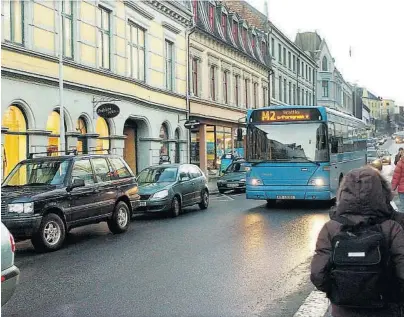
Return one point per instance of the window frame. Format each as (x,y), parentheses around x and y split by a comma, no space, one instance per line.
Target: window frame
(169,64)
(280,88)
(70,18)
(195,90)
(11,23)
(224,24)
(246,92)
(110,174)
(325,88)
(212,85)
(102,32)
(92,171)
(225,87)
(137,47)
(279,53)
(211,15)
(236,90)
(255,95)
(115,175)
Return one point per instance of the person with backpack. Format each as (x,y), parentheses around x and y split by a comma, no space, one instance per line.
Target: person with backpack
(398,155)
(359,256)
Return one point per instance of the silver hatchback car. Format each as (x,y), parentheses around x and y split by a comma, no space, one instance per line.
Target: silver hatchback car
(9,272)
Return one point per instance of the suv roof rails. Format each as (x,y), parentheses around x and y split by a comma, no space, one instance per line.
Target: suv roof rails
(70,152)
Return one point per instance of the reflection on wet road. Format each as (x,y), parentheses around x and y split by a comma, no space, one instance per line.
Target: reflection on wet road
(239,258)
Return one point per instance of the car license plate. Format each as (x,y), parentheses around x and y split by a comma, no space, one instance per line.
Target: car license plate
(285,197)
(232,185)
(142,203)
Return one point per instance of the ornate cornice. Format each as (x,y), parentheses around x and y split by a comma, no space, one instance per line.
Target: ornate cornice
(175,11)
(139,9)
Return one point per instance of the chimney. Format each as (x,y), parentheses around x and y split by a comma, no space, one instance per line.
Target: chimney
(266,8)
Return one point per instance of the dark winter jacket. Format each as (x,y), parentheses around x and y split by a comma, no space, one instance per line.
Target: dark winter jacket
(363,195)
(397,158)
(398,177)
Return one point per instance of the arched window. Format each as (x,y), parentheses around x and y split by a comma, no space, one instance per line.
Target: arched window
(164,143)
(15,140)
(177,145)
(324,65)
(102,129)
(53,125)
(82,140)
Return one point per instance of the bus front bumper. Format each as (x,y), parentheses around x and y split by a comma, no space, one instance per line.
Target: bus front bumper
(288,192)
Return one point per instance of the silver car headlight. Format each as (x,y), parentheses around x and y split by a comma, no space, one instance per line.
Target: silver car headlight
(21,208)
(161,194)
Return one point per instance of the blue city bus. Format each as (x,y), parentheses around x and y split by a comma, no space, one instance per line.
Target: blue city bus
(301,152)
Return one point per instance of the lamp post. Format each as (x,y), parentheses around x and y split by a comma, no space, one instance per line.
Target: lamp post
(61,107)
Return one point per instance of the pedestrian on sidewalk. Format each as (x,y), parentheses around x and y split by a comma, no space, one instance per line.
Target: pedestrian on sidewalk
(397,182)
(359,256)
(398,155)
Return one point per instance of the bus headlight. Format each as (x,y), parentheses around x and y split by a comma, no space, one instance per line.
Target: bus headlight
(317,182)
(256,182)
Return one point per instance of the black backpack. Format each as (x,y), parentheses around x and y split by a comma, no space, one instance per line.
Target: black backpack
(360,266)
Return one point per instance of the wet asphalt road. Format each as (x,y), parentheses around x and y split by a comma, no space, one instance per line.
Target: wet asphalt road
(238,258)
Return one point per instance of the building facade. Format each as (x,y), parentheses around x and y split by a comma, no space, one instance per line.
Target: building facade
(229,69)
(332,90)
(373,103)
(130,53)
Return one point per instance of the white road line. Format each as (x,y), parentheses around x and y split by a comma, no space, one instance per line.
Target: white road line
(315,305)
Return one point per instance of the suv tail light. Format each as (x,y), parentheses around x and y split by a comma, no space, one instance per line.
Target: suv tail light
(12,243)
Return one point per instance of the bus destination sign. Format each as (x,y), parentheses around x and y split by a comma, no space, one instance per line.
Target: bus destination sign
(286,115)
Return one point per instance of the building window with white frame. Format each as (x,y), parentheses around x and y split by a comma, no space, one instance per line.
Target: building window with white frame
(195,90)
(294,94)
(290,92)
(273,47)
(247,92)
(14,21)
(212,82)
(302,101)
(325,88)
(284,56)
(236,90)
(289,60)
(284,91)
(255,96)
(279,54)
(280,88)
(225,87)
(294,64)
(310,100)
(104,39)
(67,28)
(273,85)
(136,51)
(169,56)
(265,96)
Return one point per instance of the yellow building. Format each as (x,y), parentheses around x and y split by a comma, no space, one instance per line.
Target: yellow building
(130,53)
(373,103)
(229,68)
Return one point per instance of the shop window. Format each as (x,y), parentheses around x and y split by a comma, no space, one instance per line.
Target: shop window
(164,150)
(15,141)
(53,125)
(82,140)
(102,129)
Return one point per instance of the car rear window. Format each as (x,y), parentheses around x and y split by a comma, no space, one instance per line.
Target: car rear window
(120,170)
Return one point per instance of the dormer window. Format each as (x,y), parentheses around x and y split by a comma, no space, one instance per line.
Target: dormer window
(211,11)
(224,23)
(235,30)
(254,37)
(263,48)
(244,36)
(195,9)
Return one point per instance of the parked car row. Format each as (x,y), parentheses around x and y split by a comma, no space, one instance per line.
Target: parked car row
(383,156)
(44,198)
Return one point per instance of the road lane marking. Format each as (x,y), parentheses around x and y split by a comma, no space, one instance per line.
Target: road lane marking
(315,305)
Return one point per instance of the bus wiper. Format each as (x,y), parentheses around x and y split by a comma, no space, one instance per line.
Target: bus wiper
(306,159)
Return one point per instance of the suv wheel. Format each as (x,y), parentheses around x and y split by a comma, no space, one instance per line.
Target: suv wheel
(175,207)
(204,204)
(51,234)
(120,219)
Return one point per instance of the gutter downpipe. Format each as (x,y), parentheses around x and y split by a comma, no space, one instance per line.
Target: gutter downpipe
(188,102)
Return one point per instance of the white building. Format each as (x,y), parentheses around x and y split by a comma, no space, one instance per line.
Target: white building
(332,90)
(295,71)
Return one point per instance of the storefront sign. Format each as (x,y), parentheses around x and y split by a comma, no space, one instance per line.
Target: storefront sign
(286,115)
(108,110)
(190,124)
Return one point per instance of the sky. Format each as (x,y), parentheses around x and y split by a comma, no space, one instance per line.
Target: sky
(373,29)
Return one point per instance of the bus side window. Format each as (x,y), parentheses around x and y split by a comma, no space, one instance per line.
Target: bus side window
(334,144)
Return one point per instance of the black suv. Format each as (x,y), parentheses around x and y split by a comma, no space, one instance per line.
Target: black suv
(43,198)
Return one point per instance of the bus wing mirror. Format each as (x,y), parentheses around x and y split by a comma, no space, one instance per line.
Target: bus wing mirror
(239,134)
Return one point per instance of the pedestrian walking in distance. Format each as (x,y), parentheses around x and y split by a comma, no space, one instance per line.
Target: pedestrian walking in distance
(398,155)
(359,256)
(397,182)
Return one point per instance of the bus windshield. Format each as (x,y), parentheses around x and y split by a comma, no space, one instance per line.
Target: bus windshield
(292,142)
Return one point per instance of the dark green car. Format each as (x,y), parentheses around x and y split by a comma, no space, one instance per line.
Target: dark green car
(234,177)
(170,187)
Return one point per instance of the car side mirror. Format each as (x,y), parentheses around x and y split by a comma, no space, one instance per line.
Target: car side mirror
(78,182)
